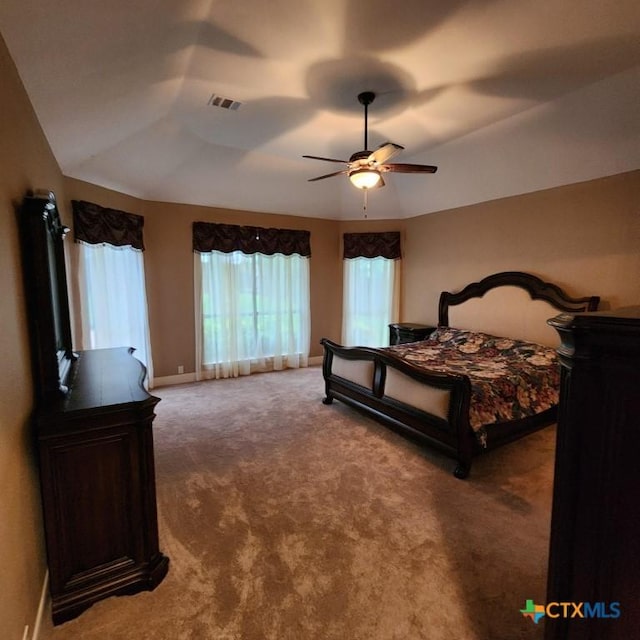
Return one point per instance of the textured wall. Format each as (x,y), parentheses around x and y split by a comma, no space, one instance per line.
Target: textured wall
(169,269)
(26,162)
(584,237)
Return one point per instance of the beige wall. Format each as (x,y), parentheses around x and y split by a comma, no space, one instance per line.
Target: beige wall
(26,162)
(584,237)
(169,261)
(169,269)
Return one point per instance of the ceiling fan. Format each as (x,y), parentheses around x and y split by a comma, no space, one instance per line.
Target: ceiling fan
(365,168)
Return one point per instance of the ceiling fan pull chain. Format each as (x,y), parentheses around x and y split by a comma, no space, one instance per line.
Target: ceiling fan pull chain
(364,206)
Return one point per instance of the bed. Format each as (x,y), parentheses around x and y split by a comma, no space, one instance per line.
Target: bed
(444,402)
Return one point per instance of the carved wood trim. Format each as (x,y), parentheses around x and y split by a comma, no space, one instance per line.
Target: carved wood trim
(537,288)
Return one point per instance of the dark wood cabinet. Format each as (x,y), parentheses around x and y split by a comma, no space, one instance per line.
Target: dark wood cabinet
(98,488)
(595,529)
(92,422)
(402,332)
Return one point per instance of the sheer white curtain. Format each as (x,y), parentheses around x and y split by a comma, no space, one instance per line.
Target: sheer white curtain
(252,313)
(370,301)
(113,300)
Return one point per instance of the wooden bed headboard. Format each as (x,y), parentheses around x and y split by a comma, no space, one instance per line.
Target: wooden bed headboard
(511,304)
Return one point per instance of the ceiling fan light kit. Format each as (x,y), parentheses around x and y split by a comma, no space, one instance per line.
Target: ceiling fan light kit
(364,178)
(365,168)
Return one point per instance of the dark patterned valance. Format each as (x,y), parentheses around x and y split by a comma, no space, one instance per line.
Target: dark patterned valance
(98,225)
(372,245)
(209,236)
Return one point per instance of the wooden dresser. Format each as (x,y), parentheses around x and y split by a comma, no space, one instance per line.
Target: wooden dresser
(95,448)
(595,530)
(92,431)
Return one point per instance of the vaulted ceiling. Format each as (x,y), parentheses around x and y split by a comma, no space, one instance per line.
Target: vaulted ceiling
(504,96)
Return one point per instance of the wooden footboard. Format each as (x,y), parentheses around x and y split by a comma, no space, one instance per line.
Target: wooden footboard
(429,404)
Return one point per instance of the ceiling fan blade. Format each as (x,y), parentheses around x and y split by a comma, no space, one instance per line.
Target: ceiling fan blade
(408,168)
(385,152)
(375,162)
(327,159)
(328,175)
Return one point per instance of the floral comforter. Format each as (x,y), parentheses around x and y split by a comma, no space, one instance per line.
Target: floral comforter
(510,379)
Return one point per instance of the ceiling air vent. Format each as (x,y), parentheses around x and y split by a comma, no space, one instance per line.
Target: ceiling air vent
(224,103)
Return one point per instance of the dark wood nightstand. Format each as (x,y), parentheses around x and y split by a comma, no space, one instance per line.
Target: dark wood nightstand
(402,332)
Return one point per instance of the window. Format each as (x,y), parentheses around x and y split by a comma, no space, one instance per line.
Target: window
(113,300)
(252,312)
(370,299)
(369,302)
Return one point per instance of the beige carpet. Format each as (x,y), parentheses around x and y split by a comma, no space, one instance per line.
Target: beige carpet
(285,519)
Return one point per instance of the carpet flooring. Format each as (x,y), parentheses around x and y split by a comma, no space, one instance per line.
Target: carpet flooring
(285,519)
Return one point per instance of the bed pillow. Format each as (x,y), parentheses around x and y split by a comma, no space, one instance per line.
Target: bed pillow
(487,346)
(473,341)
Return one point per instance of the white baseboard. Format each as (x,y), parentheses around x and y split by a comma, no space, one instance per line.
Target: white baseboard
(180,378)
(42,607)
(183,378)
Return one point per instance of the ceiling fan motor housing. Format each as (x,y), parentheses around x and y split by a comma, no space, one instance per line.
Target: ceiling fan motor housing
(366,98)
(360,155)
